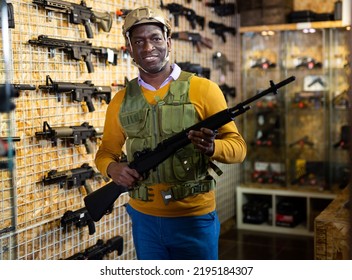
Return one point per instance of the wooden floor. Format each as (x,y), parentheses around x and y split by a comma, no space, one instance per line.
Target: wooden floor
(252,245)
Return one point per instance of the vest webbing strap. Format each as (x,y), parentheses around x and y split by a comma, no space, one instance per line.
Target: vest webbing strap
(141,193)
(176,192)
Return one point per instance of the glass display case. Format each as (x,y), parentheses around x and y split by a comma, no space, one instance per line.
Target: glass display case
(307,116)
(298,139)
(264,123)
(339,107)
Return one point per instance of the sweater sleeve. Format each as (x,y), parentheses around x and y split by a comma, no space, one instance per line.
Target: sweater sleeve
(113,136)
(208,99)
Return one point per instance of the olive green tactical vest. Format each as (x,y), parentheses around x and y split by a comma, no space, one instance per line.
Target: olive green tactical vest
(146,125)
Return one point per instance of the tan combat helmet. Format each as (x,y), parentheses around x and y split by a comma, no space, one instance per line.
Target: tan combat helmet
(145,15)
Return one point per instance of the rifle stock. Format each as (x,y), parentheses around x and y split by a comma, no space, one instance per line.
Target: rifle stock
(103,19)
(99,202)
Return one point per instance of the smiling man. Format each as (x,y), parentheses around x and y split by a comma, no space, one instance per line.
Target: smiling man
(173,210)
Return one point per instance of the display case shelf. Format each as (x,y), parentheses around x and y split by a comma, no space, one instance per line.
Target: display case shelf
(293,26)
(313,203)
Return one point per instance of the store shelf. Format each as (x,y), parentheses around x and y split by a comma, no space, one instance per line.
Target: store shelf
(313,202)
(293,26)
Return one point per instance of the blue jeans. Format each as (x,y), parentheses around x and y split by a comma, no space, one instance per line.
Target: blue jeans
(179,238)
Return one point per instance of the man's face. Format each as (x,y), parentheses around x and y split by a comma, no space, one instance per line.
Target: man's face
(149,47)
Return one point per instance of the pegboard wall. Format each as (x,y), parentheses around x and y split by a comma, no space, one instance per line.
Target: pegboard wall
(30,210)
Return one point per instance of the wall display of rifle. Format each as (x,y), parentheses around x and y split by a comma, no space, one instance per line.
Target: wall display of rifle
(77,50)
(80,92)
(195,68)
(79,14)
(76,177)
(68,59)
(79,218)
(220,29)
(100,249)
(190,15)
(197,39)
(220,61)
(222,9)
(76,134)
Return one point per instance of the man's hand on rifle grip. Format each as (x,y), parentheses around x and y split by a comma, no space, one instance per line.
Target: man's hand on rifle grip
(123,175)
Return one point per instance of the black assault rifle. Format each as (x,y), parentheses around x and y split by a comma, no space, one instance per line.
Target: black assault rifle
(79,91)
(99,202)
(220,29)
(80,218)
(222,9)
(221,62)
(78,50)
(100,249)
(80,134)
(178,10)
(195,68)
(75,177)
(78,14)
(195,38)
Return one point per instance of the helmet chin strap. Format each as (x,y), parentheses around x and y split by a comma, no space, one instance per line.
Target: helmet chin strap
(166,58)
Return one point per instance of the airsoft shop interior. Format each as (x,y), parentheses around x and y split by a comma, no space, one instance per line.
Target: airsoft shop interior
(63,61)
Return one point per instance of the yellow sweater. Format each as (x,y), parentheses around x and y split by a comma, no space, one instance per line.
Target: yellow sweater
(230,147)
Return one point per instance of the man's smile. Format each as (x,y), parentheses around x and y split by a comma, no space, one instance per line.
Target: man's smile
(150,58)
